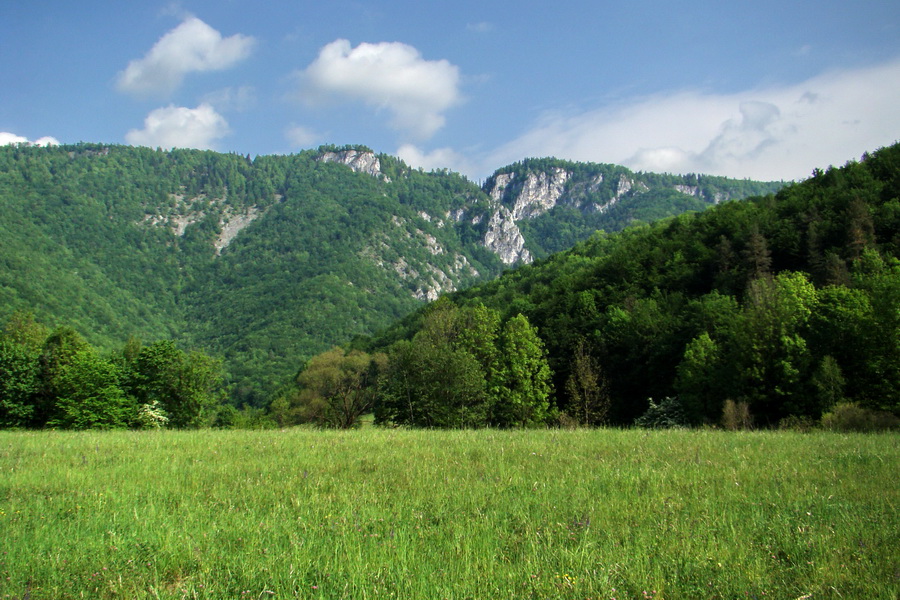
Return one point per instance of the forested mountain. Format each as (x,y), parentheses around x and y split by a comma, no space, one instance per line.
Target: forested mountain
(780,307)
(268,261)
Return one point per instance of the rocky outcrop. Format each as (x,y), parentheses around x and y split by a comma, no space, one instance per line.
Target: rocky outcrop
(504,238)
(501,181)
(540,193)
(359,161)
(184,212)
(231,225)
(440,281)
(624,186)
(426,279)
(188,211)
(696,192)
(689,190)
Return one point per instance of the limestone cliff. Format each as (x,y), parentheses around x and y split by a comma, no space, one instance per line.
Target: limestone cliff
(360,161)
(538,193)
(504,238)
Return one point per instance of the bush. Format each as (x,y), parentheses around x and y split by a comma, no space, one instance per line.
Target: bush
(669,413)
(565,421)
(799,423)
(736,415)
(850,416)
(151,416)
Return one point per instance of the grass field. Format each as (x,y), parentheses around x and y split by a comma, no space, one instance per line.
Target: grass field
(467,514)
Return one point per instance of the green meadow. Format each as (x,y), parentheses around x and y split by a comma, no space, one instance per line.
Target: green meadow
(380,513)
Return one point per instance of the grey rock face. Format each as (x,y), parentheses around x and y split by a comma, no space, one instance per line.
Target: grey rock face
(505,240)
(540,193)
(360,162)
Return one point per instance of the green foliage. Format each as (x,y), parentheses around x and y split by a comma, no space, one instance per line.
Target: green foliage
(523,391)
(337,388)
(438,379)
(588,394)
(89,396)
(57,379)
(668,414)
(188,386)
(850,416)
(18,384)
(116,239)
(787,302)
(464,369)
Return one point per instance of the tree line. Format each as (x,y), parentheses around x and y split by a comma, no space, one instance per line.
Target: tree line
(772,311)
(463,368)
(55,379)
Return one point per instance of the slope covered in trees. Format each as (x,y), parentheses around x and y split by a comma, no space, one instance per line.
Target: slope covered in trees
(268,261)
(780,307)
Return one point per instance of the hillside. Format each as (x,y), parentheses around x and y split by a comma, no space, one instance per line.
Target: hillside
(786,304)
(270,260)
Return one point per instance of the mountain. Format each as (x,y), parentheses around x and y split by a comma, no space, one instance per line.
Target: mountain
(547,205)
(785,304)
(268,261)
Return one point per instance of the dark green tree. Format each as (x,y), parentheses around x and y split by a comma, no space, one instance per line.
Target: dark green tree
(18,384)
(523,396)
(89,395)
(188,386)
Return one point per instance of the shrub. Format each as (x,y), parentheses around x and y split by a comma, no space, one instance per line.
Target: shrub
(152,416)
(565,421)
(800,423)
(850,416)
(669,413)
(736,415)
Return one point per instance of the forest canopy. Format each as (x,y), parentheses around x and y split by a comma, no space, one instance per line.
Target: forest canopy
(781,308)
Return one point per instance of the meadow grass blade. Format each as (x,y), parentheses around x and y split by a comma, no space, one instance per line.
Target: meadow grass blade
(379,513)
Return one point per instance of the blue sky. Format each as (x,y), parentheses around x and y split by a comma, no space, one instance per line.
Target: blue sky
(763,89)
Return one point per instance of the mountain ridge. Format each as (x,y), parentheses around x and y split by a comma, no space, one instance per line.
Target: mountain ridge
(270,260)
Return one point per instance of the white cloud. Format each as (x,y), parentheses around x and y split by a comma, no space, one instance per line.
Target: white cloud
(7,138)
(480,27)
(180,127)
(11,138)
(47,140)
(388,75)
(772,133)
(193,46)
(238,99)
(301,137)
(440,158)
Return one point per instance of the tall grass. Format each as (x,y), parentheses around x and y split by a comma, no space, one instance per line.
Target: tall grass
(465,514)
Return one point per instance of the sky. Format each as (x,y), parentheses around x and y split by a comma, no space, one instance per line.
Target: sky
(767,90)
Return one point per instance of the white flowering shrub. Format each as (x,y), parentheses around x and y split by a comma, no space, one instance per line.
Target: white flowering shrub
(152,416)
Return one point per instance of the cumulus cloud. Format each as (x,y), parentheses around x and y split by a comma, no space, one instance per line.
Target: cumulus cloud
(193,46)
(388,75)
(440,158)
(301,137)
(238,99)
(7,138)
(180,127)
(11,138)
(779,132)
